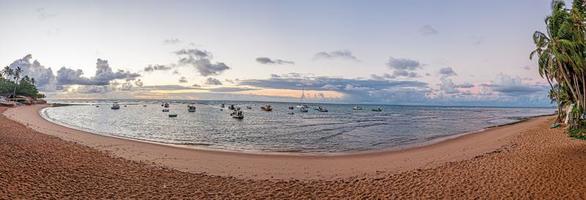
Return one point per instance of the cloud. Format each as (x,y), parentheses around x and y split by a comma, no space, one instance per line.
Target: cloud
(266,60)
(231,89)
(465,85)
(514,86)
(428,30)
(201,60)
(404,73)
(183,79)
(354,90)
(157,67)
(344,54)
(447,86)
(213,81)
(447,71)
(382,77)
(403,64)
(42,14)
(404,67)
(104,74)
(44,77)
(172,41)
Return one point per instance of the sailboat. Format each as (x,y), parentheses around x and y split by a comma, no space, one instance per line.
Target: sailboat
(302,107)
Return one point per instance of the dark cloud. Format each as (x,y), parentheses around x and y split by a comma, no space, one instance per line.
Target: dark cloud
(152,68)
(213,81)
(345,54)
(403,67)
(403,64)
(360,90)
(266,60)
(428,30)
(44,77)
(201,60)
(404,73)
(447,71)
(104,74)
(183,79)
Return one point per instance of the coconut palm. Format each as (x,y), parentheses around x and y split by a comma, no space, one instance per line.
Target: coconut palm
(561,53)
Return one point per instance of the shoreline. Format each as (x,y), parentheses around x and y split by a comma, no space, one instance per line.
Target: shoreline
(264,165)
(204,147)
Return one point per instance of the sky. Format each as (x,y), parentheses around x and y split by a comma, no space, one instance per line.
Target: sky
(415,52)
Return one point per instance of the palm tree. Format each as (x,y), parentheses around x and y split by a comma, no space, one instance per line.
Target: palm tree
(16,75)
(561,55)
(7,71)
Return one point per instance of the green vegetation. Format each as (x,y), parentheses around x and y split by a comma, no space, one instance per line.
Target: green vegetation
(12,84)
(561,55)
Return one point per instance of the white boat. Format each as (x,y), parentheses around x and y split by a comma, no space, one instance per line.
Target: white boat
(302,107)
(356,108)
(321,109)
(115,106)
(191,108)
(379,109)
(166,105)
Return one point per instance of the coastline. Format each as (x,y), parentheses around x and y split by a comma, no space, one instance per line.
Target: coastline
(283,166)
(286,153)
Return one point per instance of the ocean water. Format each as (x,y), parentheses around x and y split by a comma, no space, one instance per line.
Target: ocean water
(339,130)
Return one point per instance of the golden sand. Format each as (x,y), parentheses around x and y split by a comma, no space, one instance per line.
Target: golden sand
(530,161)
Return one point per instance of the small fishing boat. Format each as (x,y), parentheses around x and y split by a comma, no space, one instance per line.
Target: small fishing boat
(232,107)
(356,108)
(143,105)
(303,109)
(321,109)
(173,115)
(248,107)
(267,108)
(115,106)
(379,109)
(166,105)
(97,106)
(222,106)
(291,113)
(191,108)
(237,114)
(291,107)
(165,110)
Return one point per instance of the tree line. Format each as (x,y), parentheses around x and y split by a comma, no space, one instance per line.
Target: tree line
(561,55)
(12,84)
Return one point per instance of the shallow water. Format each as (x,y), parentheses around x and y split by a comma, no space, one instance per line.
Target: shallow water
(339,130)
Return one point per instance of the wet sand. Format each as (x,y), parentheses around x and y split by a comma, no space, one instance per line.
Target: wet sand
(525,160)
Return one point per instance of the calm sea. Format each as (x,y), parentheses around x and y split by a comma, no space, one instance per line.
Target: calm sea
(342,129)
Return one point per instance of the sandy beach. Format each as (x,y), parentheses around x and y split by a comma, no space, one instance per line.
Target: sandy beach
(524,160)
